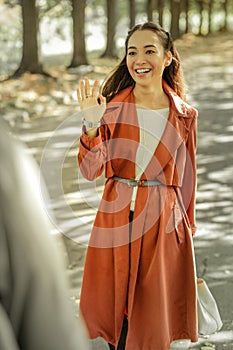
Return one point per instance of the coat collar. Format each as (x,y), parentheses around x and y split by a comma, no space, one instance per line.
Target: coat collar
(176,103)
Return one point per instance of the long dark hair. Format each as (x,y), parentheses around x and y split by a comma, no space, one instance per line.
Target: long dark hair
(120,77)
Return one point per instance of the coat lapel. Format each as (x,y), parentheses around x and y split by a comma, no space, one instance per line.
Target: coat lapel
(175,133)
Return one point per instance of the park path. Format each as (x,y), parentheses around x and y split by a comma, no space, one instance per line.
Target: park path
(53,141)
(209,72)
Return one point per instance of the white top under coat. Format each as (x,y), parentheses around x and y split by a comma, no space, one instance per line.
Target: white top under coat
(152,124)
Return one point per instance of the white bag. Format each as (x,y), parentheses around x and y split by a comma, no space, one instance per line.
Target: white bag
(209,320)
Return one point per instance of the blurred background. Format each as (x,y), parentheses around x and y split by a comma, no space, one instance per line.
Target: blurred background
(48,45)
(33,31)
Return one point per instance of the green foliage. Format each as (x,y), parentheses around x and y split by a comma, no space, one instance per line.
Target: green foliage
(96,3)
(54,8)
(12,3)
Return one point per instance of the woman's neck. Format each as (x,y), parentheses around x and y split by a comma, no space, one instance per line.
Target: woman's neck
(151,98)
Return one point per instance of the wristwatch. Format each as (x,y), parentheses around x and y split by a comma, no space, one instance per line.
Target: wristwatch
(88,124)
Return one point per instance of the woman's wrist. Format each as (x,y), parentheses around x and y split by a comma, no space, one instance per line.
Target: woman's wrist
(90,128)
(90,124)
(93,132)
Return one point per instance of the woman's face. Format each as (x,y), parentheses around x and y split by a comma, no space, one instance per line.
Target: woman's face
(146,58)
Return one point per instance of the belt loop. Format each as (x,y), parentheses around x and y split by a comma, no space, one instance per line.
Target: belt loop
(131,183)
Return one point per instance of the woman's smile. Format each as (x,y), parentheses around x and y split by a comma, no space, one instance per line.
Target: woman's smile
(142,71)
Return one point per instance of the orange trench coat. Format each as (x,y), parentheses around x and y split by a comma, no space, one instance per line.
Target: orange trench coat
(152,273)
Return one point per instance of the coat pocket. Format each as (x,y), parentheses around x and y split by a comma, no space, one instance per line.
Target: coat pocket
(178,223)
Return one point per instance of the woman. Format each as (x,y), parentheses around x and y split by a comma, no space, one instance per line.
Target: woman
(139,271)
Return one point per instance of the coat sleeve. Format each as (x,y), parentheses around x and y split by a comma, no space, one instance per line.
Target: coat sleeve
(92,154)
(188,189)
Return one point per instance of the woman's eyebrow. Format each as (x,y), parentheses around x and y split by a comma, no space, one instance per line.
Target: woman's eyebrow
(146,46)
(151,45)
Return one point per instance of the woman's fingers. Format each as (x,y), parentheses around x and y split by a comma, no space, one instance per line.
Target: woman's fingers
(95,91)
(87,87)
(84,90)
(79,95)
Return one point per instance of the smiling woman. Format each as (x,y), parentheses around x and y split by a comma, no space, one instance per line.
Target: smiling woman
(152,40)
(138,289)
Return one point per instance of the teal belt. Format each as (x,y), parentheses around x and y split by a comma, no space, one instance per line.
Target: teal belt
(138,183)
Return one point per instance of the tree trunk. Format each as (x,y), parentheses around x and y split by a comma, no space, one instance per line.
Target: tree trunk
(226,7)
(79,44)
(186,9)
(160,11)
(175,17)
(210,10)
(132,13)
(111,50)
(201,9)
(150,9)
(30,58)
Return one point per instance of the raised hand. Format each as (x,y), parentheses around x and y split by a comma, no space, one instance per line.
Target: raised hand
(92,104)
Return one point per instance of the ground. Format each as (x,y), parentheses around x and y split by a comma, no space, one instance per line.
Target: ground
(42,111)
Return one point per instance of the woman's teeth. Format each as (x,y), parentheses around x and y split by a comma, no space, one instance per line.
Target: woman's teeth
(141,71)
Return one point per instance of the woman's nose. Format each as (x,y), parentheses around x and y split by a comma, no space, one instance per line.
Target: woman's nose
(140,59)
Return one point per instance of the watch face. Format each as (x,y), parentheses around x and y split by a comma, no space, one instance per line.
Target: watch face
(90,124)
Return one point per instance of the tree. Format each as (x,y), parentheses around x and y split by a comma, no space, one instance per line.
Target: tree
(186,9)
(150,8)
(111,50)
(30,58)
(210,10)
(79,44)
(160,5)
(132,13)
(175,17)
(226,6)
(201,13)
(157,5)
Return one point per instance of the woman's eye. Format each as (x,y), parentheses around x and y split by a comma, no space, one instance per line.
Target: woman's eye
(149,52)
(131,53)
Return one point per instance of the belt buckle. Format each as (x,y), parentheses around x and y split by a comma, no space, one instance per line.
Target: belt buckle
(141,183)
(134,183)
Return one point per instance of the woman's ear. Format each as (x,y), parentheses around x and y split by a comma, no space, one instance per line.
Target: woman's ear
(168,58)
